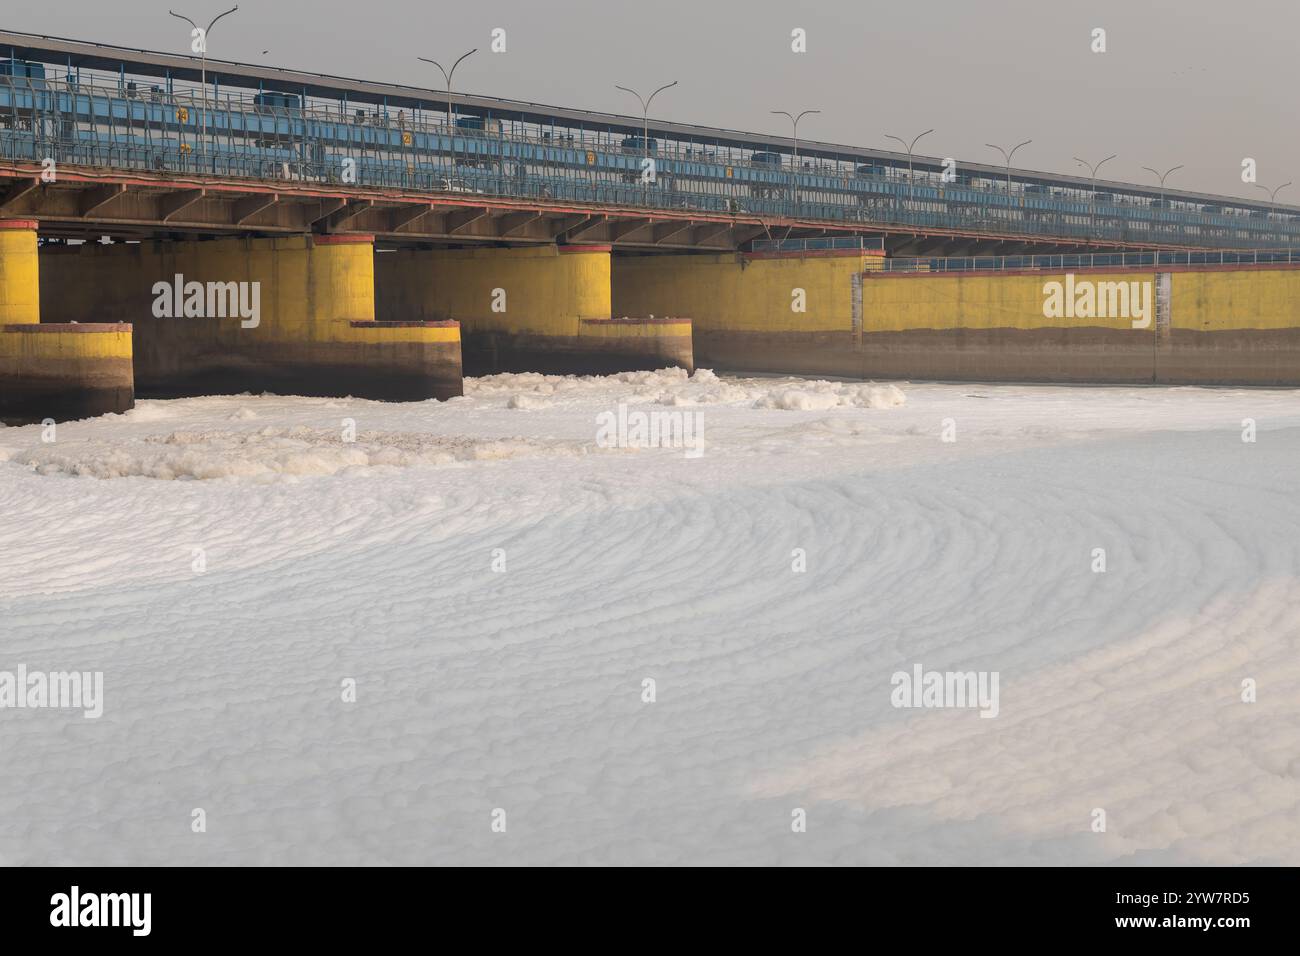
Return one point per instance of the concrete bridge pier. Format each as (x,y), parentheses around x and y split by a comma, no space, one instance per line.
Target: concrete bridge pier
(53,371)
(293,315)
(789,313)
(530,309)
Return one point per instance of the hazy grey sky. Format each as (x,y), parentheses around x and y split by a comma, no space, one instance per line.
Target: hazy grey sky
(1199,82)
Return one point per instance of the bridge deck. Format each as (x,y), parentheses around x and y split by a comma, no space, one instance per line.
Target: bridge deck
(253,123)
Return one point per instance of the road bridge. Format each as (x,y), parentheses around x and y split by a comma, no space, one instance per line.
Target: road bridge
(273,149)
(274,229)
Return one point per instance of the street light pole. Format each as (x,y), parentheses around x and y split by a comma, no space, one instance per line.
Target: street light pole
(1162,177)
(1092,191)
(794,120)
(203,72)
(447,75)
(1007,156)
(909,147)
(1272,194)
(645,117)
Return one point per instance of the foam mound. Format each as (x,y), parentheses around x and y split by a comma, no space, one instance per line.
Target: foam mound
(269,454)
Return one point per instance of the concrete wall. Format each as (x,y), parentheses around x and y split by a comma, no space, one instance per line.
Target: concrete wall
(1233,326)
(542,308)
(728,292)
(316,333)
(742,307)
(980,301)
(992,327)
(1222,326)
(547,291)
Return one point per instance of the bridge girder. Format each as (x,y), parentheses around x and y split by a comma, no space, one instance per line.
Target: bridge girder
(90,203)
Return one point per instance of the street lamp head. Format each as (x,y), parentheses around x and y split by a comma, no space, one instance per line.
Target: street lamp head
(446,73)
(1272,193)
(645,101)
(1163,176)
(1093,167)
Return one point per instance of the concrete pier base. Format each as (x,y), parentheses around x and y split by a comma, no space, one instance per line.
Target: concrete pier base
(536,309)
(48,371)
(394,362)
(64,372)
(601,347)
(315,332)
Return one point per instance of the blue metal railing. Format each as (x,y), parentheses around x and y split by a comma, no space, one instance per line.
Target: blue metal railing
(237,136)
(864,243)
(1115,260)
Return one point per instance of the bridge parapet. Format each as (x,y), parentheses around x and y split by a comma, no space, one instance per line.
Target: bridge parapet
(937,265)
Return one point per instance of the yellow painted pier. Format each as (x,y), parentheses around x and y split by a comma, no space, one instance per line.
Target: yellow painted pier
(84,328)
(315,333)
(530,309)
(53,371)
